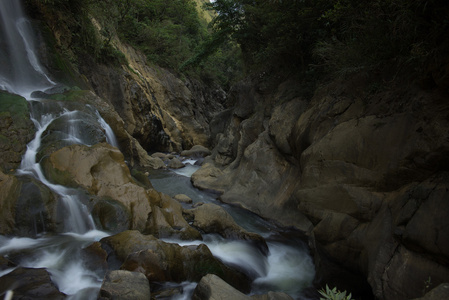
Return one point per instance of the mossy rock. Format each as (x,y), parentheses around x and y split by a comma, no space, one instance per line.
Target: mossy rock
(14,106)
(16,130)
(111,215)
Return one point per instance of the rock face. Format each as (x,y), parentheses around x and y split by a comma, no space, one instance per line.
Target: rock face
(118,202)
(356,173)
(159,110)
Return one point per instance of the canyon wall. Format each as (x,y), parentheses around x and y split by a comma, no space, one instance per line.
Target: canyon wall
(363,174)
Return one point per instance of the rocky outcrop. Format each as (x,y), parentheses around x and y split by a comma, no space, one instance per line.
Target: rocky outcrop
(161,262)
(211,218)
(357,172)
(118,201)
(159,110)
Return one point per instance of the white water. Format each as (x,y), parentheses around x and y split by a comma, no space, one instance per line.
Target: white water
(22,73)
(110,136)
(288,266)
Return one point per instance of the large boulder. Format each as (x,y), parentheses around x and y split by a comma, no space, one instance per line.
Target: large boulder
(212,218)
(30,284)
(27,207)
(120,284)
(196,151)
(212,287)
(100,170)
(118,202)
(161,262)
(439,292)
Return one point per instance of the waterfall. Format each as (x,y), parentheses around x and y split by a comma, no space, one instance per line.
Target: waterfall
(20,72)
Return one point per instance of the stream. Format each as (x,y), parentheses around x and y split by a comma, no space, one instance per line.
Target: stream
(287,267)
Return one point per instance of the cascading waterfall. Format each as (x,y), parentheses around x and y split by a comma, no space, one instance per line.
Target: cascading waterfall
(21,73)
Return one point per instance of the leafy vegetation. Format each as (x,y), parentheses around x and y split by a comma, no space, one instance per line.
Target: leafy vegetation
(333,294)
(313,38)
(334,36)
(168,32)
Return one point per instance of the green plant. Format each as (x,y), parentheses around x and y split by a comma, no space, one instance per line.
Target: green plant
(334,294)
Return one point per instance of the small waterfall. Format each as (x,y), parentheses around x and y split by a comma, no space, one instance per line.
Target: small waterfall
(20,71)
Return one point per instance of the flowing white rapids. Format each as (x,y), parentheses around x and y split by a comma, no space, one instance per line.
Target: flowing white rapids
(21,73)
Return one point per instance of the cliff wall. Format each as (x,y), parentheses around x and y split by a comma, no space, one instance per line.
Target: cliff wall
(363,174)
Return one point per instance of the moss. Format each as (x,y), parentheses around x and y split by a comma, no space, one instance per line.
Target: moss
(16,105)
(73,95)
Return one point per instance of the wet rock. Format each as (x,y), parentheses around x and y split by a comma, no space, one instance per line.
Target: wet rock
(9,191)
(30,284)
(36,209)
(111,215)
(175,163)
(121,284)
(161,261)
(16,130)
(95,258)
(211,218)
(102,171)
(183,198)
(212,287)
(438,293)
(27,207)
(167,220)
(207,177)
(272,296)
(196,151)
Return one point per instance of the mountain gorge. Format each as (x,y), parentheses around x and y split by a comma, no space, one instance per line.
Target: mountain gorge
(350,154)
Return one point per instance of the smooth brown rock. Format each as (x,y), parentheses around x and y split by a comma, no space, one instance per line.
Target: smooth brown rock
(183,198)
(30,284)
(212,287)
(160,261)
(121,284)
(211,218)
(196,151)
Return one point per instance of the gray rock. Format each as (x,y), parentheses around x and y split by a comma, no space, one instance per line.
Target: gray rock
(124,285)
(196,151)
(438,293)
(212,287)
(272,296)
(30,284)
(183,198)
(175,163)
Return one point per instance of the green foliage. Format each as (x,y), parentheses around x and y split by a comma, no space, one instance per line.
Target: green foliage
(335,36)
(334,294)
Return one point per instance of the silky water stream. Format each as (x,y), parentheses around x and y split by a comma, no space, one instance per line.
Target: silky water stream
(288,266)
